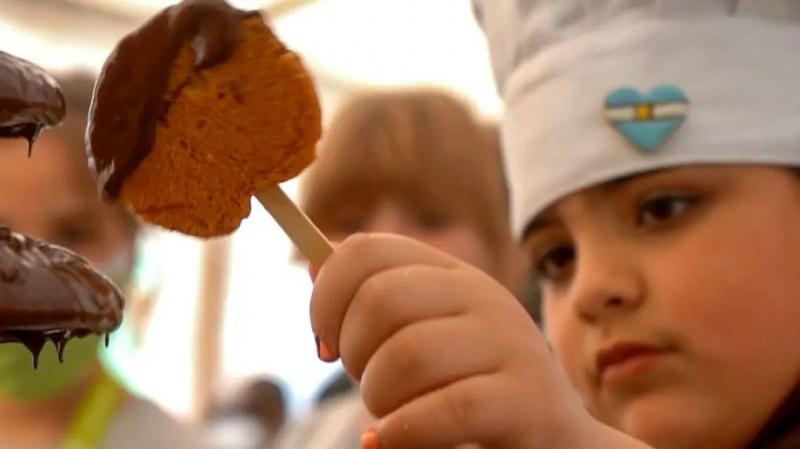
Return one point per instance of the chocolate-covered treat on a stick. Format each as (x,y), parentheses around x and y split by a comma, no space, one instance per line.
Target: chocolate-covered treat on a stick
(197,111)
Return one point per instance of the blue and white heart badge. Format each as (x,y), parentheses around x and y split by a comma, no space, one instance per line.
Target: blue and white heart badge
(647,120)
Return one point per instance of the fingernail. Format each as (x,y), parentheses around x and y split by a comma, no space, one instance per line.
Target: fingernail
(369,439)
(323,352)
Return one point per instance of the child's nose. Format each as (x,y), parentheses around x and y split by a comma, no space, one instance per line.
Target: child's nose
(391,222)
(606,283)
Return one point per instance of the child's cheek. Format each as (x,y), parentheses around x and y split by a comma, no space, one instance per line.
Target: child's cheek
(563,337)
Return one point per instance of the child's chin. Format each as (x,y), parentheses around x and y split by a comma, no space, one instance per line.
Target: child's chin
(671,421)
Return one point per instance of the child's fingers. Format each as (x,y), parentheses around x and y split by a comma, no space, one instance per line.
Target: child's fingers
(392,299)
(312,271)
(424,357)
(358,258)
(468,411)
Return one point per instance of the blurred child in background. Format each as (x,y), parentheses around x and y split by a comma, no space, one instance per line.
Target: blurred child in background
(77,404)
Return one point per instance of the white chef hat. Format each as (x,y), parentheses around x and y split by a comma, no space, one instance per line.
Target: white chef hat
(600,89)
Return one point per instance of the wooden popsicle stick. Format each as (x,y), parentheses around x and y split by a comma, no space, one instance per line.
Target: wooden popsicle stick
(300,229)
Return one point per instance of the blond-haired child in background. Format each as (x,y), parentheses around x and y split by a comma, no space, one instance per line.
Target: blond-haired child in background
(416,163)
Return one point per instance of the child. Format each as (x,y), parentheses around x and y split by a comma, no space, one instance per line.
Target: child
(663,222)
(404,162)
(416,163)
(76,404)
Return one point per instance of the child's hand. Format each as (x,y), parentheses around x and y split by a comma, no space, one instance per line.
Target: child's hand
(445,354)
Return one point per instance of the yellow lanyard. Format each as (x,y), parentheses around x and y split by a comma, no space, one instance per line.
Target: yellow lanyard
(93,415)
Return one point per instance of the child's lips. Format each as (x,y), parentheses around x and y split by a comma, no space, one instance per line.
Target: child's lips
(625,361)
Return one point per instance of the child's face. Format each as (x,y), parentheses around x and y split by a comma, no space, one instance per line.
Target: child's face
(454,237)
(673,300)
(48,197)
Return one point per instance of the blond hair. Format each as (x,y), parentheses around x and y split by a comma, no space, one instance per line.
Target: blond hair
(423,148)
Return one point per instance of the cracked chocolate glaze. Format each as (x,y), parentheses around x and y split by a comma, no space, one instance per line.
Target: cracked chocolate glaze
(30,99)
(129,96)
(50,293)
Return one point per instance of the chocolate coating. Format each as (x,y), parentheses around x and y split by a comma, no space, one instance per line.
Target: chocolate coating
(48,292)
(129,96)
(30,99)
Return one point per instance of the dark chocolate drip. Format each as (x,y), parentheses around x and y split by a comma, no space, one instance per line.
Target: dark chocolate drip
(130,94)
(30,99)
(34,341)
(50,293)
(62,345)
(59,339)
(28,131)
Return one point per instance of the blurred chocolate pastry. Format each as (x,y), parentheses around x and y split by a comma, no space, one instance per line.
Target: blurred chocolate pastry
(30,99)
(46,292)
(51,293)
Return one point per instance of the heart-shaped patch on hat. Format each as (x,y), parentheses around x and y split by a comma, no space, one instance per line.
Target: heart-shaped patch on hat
(647,120)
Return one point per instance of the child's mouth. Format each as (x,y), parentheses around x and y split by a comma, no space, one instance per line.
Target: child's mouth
(623,362)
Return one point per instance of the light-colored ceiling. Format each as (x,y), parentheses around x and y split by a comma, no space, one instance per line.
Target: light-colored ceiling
(347,44)
(144,8)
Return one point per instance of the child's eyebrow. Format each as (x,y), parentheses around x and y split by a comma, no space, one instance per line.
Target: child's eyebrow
(550,218)
(618,184)
(71,214)
(546,219)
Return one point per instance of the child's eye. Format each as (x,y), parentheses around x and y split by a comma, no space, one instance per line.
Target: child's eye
(350,225)
(431,221)
(663,208)
(556,262)
(75,236)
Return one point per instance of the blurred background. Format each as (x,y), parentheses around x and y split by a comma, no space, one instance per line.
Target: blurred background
(229,309)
